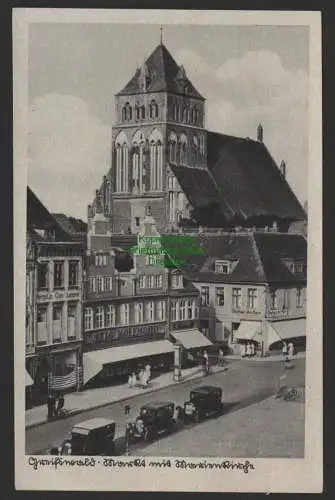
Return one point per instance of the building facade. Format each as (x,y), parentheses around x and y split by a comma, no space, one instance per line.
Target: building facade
(54,295)
(131,306)
(252,288)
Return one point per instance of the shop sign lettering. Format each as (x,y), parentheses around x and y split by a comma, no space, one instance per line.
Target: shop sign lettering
(113,334)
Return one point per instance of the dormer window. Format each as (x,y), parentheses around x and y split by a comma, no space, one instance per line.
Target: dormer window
(222,266)
(298,267)
(177,280)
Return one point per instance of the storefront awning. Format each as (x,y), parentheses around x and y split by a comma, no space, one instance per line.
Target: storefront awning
(29,380)
(289,329)
(191,338)
(248,330)
(93,361)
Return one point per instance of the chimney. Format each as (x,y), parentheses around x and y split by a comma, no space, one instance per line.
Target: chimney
(260,133)
(283,169)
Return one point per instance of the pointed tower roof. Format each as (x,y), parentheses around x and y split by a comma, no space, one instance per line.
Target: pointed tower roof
(164,75)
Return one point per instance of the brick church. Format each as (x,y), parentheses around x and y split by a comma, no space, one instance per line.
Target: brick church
(163,157)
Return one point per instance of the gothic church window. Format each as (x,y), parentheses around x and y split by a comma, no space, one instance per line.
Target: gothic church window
(153,109)
(156,160)
(121,144)
(137,162)
(173,148)
(127,112)
(183,150)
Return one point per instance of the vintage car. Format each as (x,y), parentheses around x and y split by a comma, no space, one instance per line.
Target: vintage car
(91,437)
(204,401)
(153,419)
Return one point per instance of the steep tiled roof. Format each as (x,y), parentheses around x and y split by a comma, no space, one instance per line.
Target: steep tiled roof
(163,71)
(249,180)
(256,257)
(38,217)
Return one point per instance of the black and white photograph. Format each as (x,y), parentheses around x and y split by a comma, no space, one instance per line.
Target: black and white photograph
(168,260)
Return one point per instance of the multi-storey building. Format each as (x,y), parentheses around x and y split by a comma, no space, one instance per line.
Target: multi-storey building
(162,155)
(54,273)
(131,307)
(252,288)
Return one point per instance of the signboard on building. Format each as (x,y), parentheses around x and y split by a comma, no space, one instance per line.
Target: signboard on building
(59,295)
(124,333)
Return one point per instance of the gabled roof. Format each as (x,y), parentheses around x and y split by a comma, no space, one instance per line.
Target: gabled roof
(38,217)
(257,257)
(249,180)
(164,72)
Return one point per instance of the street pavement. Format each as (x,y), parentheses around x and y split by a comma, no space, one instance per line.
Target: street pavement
(272,428)
(243,384)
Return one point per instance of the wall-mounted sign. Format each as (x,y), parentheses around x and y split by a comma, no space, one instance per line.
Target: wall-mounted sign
(59,295)
(110,335)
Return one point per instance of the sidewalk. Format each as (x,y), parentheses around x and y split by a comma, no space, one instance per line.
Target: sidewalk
(78,402)
(265,359)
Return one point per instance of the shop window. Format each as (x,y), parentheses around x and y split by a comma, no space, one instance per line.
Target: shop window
(88,318)
(252,298)
(58,274)
(73,273)
(299,297)
(42,276)
(204,295)
(220,297)
(237,298)
(71,321)
(99,317)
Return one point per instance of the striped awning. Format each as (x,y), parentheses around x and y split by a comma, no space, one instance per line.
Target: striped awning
(61,382)
(191,338)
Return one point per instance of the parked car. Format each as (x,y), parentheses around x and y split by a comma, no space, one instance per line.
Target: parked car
(91,437)
(204,401)
(153,419)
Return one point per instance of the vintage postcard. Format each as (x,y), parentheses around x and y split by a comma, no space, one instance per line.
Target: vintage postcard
(168,260)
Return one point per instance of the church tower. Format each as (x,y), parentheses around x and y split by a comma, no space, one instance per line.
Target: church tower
(159,124)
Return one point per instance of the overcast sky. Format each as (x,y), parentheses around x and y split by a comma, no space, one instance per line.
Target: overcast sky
(248,74)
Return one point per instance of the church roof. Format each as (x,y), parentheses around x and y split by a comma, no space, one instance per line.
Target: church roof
(249,179)
(164,75)
(242,182)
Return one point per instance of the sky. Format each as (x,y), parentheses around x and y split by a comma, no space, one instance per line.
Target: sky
(248,75)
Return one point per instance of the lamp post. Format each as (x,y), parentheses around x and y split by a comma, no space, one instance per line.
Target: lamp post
(177,363)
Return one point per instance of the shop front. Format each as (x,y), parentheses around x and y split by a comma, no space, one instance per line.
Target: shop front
(112,354)
(193,343)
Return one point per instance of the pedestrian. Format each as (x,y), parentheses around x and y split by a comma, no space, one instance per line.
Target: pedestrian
(148,371)
(284,350)
(206,360)
(252,347)
(60,404)
(248,353)
(134,380)
(291,351)
(130,381)
(220,357)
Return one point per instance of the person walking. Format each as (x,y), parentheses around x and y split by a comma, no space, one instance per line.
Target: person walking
(284,350)
(148,372)
(60,404)
(243,350)
(248,350)
(130,381)
(220,358)
(134,380)
(291,351)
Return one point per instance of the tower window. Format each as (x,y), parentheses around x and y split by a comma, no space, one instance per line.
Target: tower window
(153,109)
(142,112)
